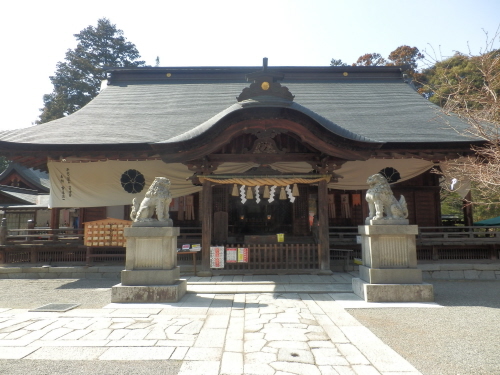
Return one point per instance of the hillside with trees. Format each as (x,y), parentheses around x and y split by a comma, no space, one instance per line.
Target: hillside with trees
(467,86)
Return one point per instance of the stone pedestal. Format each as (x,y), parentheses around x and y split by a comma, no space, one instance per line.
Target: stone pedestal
(389,272)
(151,273)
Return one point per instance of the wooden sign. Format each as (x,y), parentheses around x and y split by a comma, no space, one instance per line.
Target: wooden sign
(231,255)
(243,255)
(216,256)
(108,232)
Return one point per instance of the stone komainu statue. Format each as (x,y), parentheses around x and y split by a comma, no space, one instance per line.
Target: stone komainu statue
(157,198)
(381,200)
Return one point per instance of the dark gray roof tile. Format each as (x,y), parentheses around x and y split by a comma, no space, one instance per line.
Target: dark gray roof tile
(379,109)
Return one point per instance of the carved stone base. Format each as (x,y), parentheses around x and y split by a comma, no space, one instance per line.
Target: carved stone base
(153,224)
(390,275)
(151,273)
(150,277)
(393,292)
(149,294)
(389,272)
(387,222)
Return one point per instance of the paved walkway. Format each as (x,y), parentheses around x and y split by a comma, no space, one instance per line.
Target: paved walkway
(271,328)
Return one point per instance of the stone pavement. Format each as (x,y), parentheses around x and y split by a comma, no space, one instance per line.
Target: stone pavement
(268,331)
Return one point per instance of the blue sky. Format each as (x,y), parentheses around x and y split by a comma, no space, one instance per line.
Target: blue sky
(35,35)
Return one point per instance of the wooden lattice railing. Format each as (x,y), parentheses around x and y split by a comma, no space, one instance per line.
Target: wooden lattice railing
(281,256)
(433,243)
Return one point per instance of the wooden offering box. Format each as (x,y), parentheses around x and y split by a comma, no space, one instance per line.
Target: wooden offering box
(107,232)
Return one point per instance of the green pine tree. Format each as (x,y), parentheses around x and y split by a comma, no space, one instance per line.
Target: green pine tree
(77,79)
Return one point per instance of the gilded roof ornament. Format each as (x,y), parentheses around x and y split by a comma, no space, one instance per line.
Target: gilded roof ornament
(265,82)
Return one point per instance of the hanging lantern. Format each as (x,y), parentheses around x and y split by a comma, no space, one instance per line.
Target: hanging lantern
(282,193)
(295,190)
(266,192)
(235,191)
(249,193)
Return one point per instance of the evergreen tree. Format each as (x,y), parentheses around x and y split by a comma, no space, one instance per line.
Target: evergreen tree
(77,79)
(443,78)
(337,62)
(403,55)
(370,59)
(468,86)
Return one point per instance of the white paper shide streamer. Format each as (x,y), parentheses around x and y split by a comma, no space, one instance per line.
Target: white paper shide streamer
(243,194)
(289,193)
(271,193)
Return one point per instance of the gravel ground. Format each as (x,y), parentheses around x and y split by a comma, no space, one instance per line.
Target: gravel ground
(43,367)
(29,294)
(462,338)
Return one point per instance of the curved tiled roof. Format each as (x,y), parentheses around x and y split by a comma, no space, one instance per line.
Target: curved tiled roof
(267,102)
(26,196)
(142,106)
(38,178)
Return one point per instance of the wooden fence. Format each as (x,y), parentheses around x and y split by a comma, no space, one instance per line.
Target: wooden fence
(43,236)
(435,243)
(456,242)
(47,245)
(274,257)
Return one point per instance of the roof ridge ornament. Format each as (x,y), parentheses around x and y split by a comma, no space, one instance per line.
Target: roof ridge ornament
(265,83)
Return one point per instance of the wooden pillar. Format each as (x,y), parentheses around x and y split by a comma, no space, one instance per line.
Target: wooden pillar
(206,228)
(324,239)
(54,218)
(54,222)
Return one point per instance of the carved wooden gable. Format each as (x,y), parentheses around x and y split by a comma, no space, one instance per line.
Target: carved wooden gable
(265,142)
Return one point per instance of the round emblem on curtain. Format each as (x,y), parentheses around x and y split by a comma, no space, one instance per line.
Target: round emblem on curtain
(132,181)
(391,174)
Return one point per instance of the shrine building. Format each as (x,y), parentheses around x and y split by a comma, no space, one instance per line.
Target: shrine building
(251,152)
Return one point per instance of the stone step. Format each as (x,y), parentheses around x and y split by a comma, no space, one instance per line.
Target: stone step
(268,288)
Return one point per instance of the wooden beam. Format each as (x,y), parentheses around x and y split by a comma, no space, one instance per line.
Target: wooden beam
(309,133)
(262,158)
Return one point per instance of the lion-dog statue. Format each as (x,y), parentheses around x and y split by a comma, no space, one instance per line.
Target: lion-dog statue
(381,201)
(158,197)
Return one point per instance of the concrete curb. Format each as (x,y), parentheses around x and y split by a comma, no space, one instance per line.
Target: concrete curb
(461,271)
(430,271)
